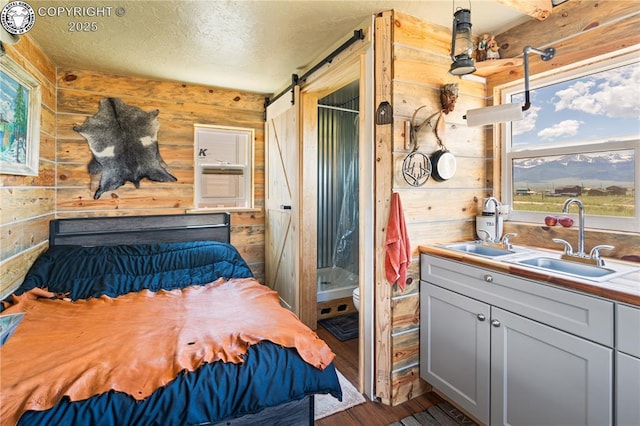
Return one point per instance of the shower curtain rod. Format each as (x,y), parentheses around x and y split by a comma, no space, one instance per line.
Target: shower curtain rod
(338,108)
(295,80)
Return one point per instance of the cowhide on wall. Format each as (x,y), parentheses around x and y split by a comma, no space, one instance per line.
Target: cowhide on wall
(124,142)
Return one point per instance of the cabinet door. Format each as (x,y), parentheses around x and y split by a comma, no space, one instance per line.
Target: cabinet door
(627,390)
(454,348)
(543,376)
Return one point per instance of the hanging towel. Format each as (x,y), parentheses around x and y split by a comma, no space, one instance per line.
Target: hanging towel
(398,247)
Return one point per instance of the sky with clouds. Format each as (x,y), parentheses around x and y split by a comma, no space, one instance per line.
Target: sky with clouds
(600,106)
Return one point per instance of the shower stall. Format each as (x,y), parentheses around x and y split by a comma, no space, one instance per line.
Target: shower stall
(338,174)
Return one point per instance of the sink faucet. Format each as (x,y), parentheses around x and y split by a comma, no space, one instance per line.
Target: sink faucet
(485,235)
(565,209)
(496,212)
(594,255)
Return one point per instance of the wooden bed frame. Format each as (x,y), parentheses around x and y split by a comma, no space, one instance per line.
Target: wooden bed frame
(101,231)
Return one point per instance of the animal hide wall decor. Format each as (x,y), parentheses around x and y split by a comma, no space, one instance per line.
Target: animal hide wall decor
(124,142)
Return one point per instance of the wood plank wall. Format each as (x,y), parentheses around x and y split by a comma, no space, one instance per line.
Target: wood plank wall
(436,211)
(27,202)
(64,188)
(181,105)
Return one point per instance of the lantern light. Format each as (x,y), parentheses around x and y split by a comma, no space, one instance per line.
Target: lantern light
(462,44)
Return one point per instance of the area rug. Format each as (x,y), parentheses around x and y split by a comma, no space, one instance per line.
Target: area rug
(443,414)
(326,405)
(344,327)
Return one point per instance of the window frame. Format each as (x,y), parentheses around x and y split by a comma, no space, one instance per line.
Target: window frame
(573,71)
(248,165)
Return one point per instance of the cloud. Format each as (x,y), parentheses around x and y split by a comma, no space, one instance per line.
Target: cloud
(561,129)
(612,93)
(528,123)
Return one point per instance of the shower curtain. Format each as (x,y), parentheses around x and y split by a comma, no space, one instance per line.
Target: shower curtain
(338,178)
(345,252)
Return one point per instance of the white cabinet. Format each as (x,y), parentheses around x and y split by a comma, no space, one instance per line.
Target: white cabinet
(543,376)
(507,363)
(627,390)
(628,330)
(628,365)
(454,347)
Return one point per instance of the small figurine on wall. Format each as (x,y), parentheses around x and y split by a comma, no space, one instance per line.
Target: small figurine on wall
(481,53)
(448,97)
(493,48)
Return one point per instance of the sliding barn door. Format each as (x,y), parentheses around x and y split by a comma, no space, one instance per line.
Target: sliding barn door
(282,248)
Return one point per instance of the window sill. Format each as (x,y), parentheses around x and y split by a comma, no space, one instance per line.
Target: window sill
(225,209)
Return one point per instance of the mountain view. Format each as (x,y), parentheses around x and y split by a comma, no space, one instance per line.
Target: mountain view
(597,170)
(600,109)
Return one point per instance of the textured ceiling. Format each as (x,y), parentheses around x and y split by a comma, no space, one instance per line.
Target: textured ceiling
(252,45)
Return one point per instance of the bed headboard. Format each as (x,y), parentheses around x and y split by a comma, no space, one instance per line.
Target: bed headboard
(103,231)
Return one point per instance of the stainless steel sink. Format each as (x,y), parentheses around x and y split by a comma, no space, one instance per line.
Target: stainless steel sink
(479,249)
(545,260)
(585,271)
(568,267)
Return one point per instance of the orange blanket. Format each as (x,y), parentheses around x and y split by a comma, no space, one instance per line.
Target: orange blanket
(139,342)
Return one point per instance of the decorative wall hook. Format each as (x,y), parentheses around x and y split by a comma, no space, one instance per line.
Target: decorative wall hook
(415,128)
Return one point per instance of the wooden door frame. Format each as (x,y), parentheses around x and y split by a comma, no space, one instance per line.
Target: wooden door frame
(308,220)
(356,63)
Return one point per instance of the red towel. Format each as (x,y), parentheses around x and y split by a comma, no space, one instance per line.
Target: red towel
(398,247)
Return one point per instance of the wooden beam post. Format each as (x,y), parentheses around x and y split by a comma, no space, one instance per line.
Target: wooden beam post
(538,9)
(383,187)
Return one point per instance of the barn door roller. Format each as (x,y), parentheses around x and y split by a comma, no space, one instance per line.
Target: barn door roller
(295,80)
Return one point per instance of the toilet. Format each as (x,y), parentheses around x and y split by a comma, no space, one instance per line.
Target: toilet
(356,298)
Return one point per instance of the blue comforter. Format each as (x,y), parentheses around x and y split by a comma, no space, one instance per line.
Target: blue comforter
(269,376)
(84,272)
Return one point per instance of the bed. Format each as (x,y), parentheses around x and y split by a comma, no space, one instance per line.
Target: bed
(155,320)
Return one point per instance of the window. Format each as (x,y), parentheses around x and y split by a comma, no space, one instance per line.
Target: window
(223,167)
(580,138)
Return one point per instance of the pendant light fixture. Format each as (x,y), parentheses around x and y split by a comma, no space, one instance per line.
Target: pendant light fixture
(462,44)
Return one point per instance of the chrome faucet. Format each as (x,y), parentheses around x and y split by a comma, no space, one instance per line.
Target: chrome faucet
(565,209)
(487,238)
(506,240)
(594,256)
(595,253)
(496,212)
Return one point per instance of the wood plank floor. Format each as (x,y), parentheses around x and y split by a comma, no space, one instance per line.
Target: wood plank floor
(371,413)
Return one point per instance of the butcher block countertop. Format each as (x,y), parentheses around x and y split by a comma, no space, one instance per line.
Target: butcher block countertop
(624,288)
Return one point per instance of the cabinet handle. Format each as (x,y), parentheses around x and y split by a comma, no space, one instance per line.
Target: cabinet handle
(481,317)
(495,323)
(488,278)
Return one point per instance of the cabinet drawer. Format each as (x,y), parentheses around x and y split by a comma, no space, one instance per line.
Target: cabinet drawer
(572,312)
(628,329)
